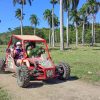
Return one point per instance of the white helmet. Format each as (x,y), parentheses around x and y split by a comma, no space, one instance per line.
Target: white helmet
(18,43)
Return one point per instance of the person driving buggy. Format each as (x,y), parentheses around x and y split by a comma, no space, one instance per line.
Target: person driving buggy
(18,55)
(33,50)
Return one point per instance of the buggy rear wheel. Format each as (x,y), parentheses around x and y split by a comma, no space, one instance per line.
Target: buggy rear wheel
(2,64)
(23,78)
(63,70)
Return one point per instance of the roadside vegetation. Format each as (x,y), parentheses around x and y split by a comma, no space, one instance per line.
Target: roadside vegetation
(84,61)
(4,95)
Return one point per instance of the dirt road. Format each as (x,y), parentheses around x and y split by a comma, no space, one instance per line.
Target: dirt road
(53,90)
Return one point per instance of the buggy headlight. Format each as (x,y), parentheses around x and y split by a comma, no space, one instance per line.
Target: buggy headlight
(49,73)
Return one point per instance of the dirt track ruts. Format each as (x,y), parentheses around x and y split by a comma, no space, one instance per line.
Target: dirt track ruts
(53,90)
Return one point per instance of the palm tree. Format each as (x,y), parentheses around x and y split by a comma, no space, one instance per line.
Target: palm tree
(53,2)
(93,8)
(56,24)
(18,16)
(48,16)
(66,8)
(74,16)
(34,21)
(69,5)
(56,21)
(83,15)
(61,26)
(22,2)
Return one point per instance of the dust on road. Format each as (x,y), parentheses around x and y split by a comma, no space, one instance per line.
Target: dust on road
(53,90)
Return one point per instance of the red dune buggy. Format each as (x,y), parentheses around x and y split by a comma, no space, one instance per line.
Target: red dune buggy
(42,67)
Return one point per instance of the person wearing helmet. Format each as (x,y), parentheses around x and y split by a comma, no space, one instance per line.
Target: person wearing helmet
(18,55)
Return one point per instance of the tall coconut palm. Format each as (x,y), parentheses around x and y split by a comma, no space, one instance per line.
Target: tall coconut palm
(93,8)
(22,2)
(56,24)
(69,5)
(56,21)
(53,2)
(34,21)
(66,8)
(48,16)
(61,26)
(18,16)
(83,15)
(74,16)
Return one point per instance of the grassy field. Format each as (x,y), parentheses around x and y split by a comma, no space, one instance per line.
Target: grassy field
(3,93)
(84,61)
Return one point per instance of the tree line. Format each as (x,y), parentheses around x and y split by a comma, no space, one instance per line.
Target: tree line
(78,18)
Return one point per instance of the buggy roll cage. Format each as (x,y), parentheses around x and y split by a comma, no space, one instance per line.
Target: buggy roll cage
(29,38)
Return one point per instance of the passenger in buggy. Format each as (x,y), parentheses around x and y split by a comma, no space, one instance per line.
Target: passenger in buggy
(19,55)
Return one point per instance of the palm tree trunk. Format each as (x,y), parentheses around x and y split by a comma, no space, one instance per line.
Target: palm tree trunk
(92,38)
(61,26)
(94,33)
(67,29)
(50,37)
(76,34)
(53,39)
(21,20)
(34,30)
(83,34)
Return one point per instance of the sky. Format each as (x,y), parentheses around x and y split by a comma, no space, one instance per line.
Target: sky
(8,19)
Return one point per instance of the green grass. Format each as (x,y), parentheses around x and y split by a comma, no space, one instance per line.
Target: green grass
(4,95)
(2,50)
(84,61)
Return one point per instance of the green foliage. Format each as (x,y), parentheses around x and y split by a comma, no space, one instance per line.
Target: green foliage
(70,4)
(53,1)
(44,33)
(18,14)
(41,34)
(48,16)
(74,16)
(3,95)
(34,20)
(22,2)
(93,6)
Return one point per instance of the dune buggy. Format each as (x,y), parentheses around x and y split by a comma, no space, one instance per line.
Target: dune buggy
(42,68)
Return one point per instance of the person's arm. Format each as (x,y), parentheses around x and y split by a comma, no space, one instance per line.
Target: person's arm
(15,52)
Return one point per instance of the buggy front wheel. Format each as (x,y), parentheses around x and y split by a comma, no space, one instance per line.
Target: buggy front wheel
(23,78)
(63,71)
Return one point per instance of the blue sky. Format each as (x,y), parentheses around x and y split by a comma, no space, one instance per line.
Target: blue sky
(7,13)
